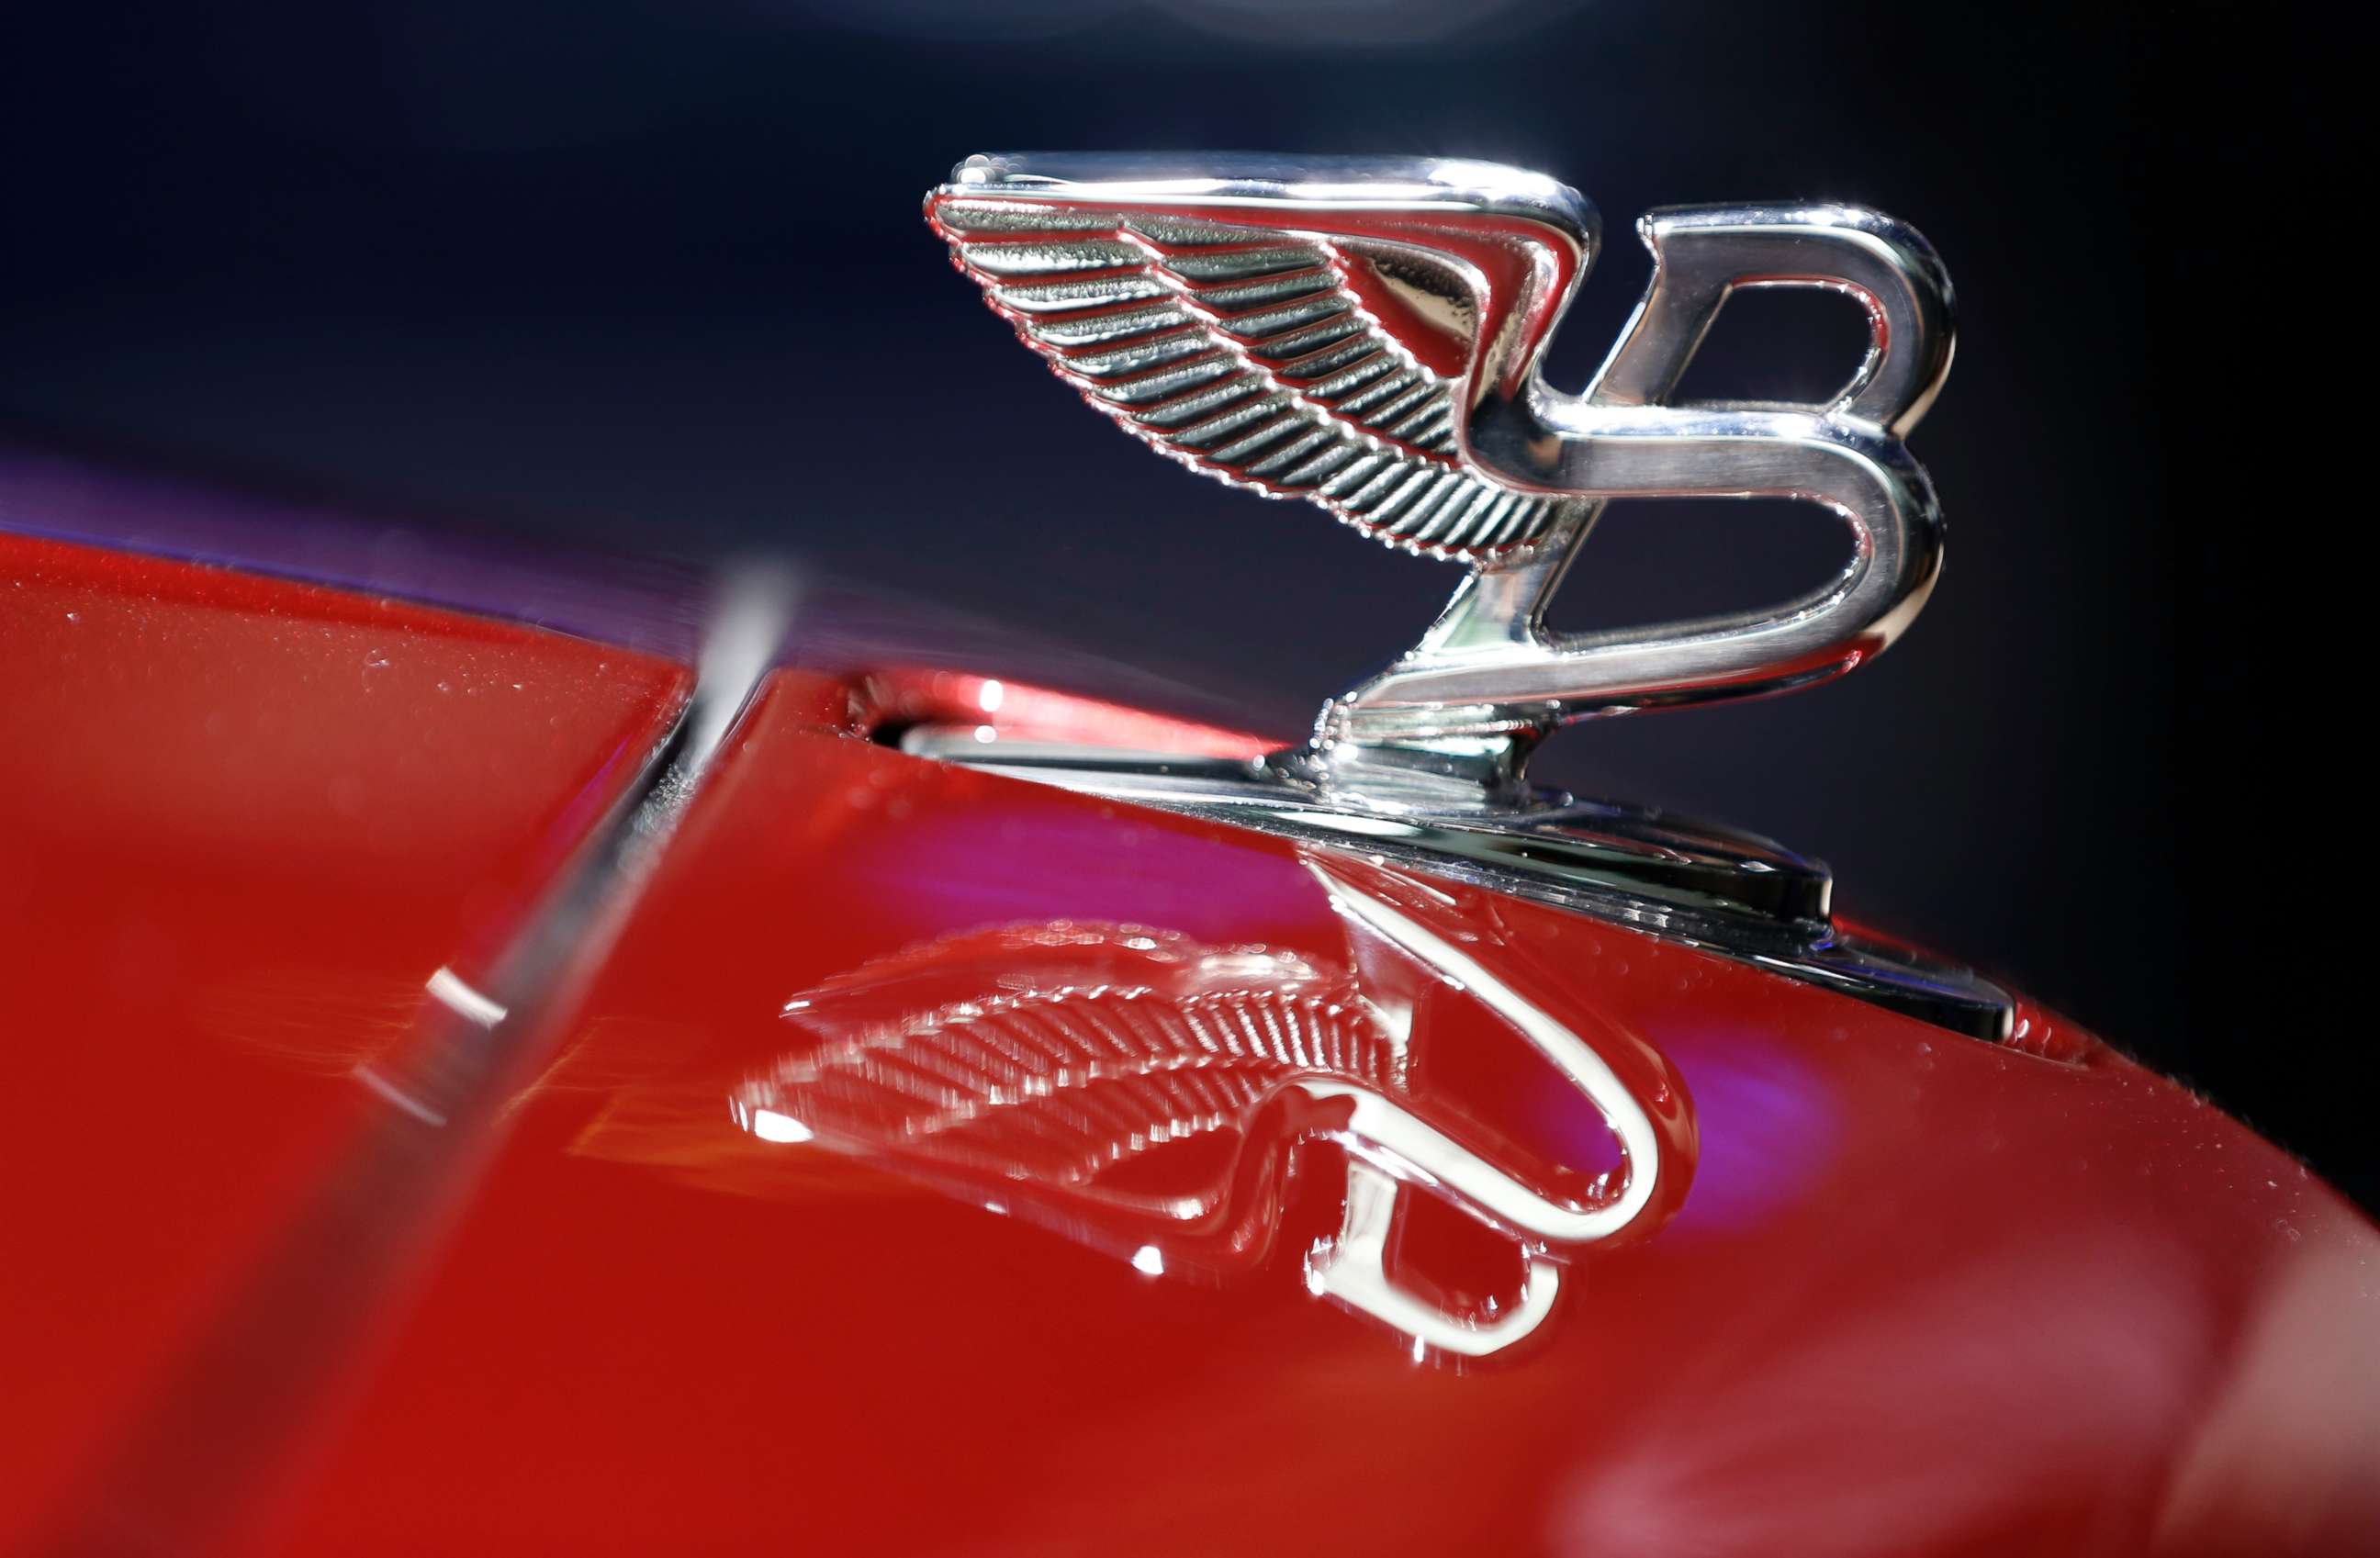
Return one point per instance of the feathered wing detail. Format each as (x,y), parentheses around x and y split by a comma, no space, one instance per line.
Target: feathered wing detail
(1245,352)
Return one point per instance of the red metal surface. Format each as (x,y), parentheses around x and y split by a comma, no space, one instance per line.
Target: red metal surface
(245,815)
(1898,1291)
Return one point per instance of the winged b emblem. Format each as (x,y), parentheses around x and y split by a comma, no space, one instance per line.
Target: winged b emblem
(1367,335)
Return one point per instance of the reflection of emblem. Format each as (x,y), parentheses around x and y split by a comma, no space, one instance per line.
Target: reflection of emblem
(1368,334)
(1142,1092)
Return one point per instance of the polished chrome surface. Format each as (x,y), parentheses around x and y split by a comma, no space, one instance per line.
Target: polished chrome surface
(1728,891)
(1369,334)
(1285,361)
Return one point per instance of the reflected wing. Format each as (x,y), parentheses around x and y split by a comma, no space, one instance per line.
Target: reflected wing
(1248,352)
(1055,1055)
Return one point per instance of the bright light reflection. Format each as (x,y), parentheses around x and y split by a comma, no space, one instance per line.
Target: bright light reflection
(450,992)
(770,1126)
(1148,1259)
(990,696)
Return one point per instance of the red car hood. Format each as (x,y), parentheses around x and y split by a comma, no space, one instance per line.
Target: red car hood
(914,1176)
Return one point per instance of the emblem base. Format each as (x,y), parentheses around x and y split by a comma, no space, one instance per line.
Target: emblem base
(1731,892)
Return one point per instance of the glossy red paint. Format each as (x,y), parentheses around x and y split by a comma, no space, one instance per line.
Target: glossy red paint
(247,813)
(1895,1292)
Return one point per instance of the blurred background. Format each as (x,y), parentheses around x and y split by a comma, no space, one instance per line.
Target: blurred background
(653,274)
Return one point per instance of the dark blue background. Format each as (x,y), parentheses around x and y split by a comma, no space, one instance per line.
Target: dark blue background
(655,272)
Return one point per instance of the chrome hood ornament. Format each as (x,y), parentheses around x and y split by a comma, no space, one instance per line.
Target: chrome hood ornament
(1367,334)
